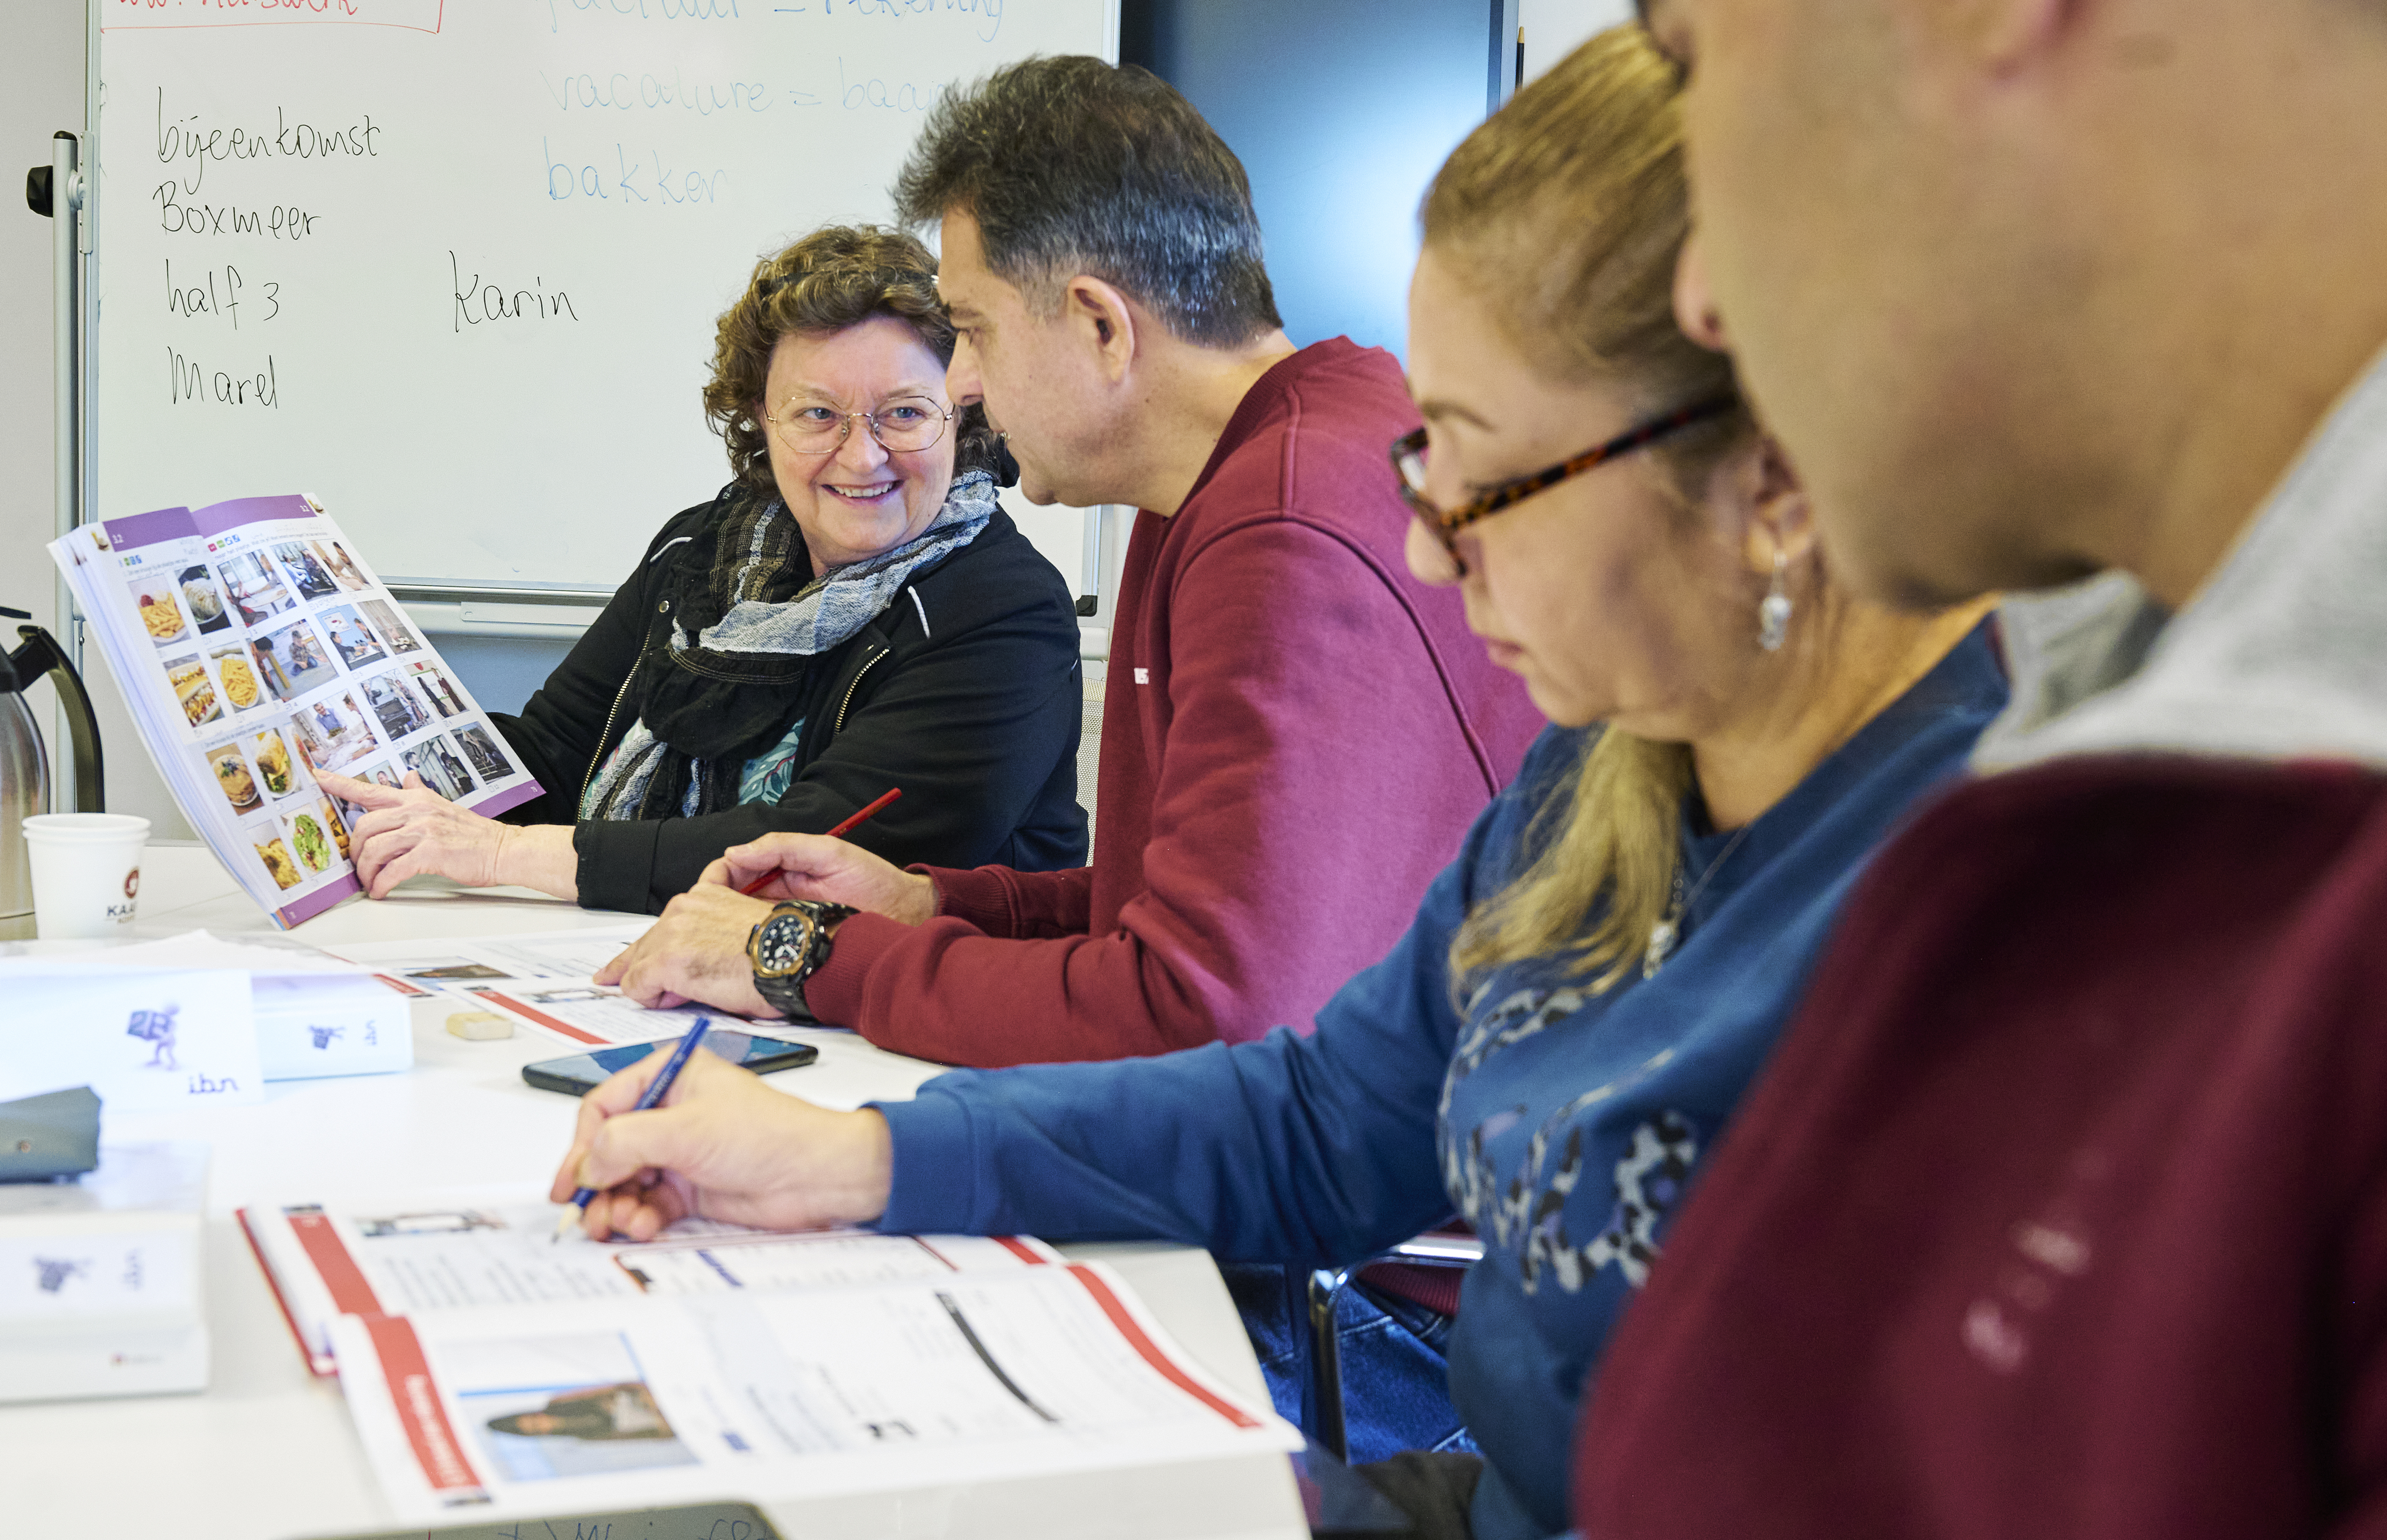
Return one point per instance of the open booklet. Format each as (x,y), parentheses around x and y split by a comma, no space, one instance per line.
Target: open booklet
(254,647)
(487,1369)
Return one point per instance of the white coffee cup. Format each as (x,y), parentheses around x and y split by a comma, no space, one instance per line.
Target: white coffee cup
(86,873)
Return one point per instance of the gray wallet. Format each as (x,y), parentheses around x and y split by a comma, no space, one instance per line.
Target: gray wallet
(46,1137)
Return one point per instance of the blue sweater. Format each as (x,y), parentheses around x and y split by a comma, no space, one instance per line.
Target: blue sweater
(1326,1148)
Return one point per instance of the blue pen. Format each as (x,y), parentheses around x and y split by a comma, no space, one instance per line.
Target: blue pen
(656,1092)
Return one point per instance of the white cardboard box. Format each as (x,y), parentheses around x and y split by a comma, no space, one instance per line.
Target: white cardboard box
(102,1281)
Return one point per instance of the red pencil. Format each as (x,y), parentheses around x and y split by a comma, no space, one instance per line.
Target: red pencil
(837,833)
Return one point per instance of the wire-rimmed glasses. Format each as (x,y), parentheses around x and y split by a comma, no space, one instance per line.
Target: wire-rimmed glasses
(902,425)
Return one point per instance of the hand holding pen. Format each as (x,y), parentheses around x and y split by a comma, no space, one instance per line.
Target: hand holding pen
(656,1090)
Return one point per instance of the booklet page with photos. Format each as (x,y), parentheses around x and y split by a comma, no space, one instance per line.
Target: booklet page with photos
(487,1369)
(254,647)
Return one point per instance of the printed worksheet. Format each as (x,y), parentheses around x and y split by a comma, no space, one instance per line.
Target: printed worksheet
(431,1256)
(545,980)
(651,1398)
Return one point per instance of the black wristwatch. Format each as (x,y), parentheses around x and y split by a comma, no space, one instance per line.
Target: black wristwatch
(788,947)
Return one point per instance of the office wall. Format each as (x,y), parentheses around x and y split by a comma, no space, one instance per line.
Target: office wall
(1341,110)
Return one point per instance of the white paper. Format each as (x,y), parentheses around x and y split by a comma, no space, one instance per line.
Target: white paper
(315,1015)
(975,1377)
(428,1255)
(546,981)
(145,1042)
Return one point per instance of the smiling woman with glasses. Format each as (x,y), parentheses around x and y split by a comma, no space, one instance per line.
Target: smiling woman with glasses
(852,615)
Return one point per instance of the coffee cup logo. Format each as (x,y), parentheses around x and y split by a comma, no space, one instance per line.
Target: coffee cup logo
(133,883)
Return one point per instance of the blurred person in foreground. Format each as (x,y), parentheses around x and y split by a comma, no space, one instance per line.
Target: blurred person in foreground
(1295,733)
(2062,1209)
(1586,991)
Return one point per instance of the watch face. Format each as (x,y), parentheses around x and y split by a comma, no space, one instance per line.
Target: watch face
(780,949)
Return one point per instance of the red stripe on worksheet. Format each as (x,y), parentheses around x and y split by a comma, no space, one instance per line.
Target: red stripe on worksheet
(351,1295)
(1150,1352)
(1020,1249)
(417,1403)
(318,1362)
(575,1033)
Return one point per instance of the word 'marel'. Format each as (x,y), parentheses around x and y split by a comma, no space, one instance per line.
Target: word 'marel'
(188,381)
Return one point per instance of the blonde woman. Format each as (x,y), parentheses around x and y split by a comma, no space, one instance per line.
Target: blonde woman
(1589,988)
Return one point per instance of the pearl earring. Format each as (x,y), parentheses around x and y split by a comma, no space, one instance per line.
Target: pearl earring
(1773,611)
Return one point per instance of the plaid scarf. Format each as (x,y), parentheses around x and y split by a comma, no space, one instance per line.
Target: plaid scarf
(751,622)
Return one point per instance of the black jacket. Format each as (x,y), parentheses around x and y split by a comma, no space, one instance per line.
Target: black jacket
(965,692)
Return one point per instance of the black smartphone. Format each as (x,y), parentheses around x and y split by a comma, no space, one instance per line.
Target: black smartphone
(580,1073)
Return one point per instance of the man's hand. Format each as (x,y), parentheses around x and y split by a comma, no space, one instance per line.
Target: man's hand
(724,1146)
(414,831)
(815,866)
(696,952)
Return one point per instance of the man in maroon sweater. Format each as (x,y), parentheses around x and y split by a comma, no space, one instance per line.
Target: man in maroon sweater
(2062,1208)
(1295,734)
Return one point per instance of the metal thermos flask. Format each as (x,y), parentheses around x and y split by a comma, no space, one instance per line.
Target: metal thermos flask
(25,767)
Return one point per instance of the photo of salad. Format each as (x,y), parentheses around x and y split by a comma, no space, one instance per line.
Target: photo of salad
(314,849)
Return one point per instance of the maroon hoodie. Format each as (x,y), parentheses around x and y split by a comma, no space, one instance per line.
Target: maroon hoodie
(2062,1211)
(1296,735)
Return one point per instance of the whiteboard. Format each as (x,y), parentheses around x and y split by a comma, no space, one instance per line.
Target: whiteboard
(452,266)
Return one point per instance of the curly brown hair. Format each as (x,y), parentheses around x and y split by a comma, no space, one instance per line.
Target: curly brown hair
(840,275)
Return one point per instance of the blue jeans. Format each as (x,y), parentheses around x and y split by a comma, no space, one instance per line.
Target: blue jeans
(1396,1385)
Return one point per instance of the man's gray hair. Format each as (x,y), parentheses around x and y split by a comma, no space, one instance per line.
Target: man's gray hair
(1071,165)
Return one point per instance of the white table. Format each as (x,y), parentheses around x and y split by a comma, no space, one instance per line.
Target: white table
(268,1450)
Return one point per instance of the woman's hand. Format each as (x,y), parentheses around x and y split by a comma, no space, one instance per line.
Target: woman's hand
(413,831)
(724,1146)
(815,867)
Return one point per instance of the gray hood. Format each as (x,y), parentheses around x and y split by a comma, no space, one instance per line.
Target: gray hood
(2282,655)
